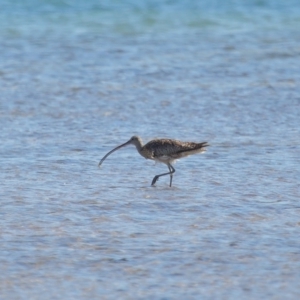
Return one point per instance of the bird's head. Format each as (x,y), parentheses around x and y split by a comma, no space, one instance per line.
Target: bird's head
(135,140)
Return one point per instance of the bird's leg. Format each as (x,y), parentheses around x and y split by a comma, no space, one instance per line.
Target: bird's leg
(171,169)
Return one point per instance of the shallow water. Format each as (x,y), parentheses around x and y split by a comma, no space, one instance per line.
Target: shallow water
(76,82)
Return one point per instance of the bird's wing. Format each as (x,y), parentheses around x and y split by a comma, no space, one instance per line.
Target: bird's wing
(165,147)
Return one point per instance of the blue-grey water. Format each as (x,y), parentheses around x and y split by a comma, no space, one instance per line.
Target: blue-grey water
(78,78)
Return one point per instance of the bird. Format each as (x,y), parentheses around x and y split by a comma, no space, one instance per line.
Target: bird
(162,150)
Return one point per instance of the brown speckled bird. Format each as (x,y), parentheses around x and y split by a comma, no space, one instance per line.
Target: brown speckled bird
(162,150)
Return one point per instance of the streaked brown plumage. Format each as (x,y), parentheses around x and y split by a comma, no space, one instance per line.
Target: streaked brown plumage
(162,150)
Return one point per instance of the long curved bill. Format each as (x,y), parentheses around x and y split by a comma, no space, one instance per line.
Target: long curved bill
(110,152)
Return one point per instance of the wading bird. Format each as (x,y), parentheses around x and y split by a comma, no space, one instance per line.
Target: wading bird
(162,150)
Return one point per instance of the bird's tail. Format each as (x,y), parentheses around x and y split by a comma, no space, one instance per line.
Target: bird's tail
(201,147)
(204,144)
(193,148)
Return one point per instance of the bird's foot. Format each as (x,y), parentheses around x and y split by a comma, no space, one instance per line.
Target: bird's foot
(154,180)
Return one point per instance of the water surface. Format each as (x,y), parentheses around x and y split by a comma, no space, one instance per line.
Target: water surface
(79,79)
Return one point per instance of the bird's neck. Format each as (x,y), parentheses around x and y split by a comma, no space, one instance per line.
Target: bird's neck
(139,145)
